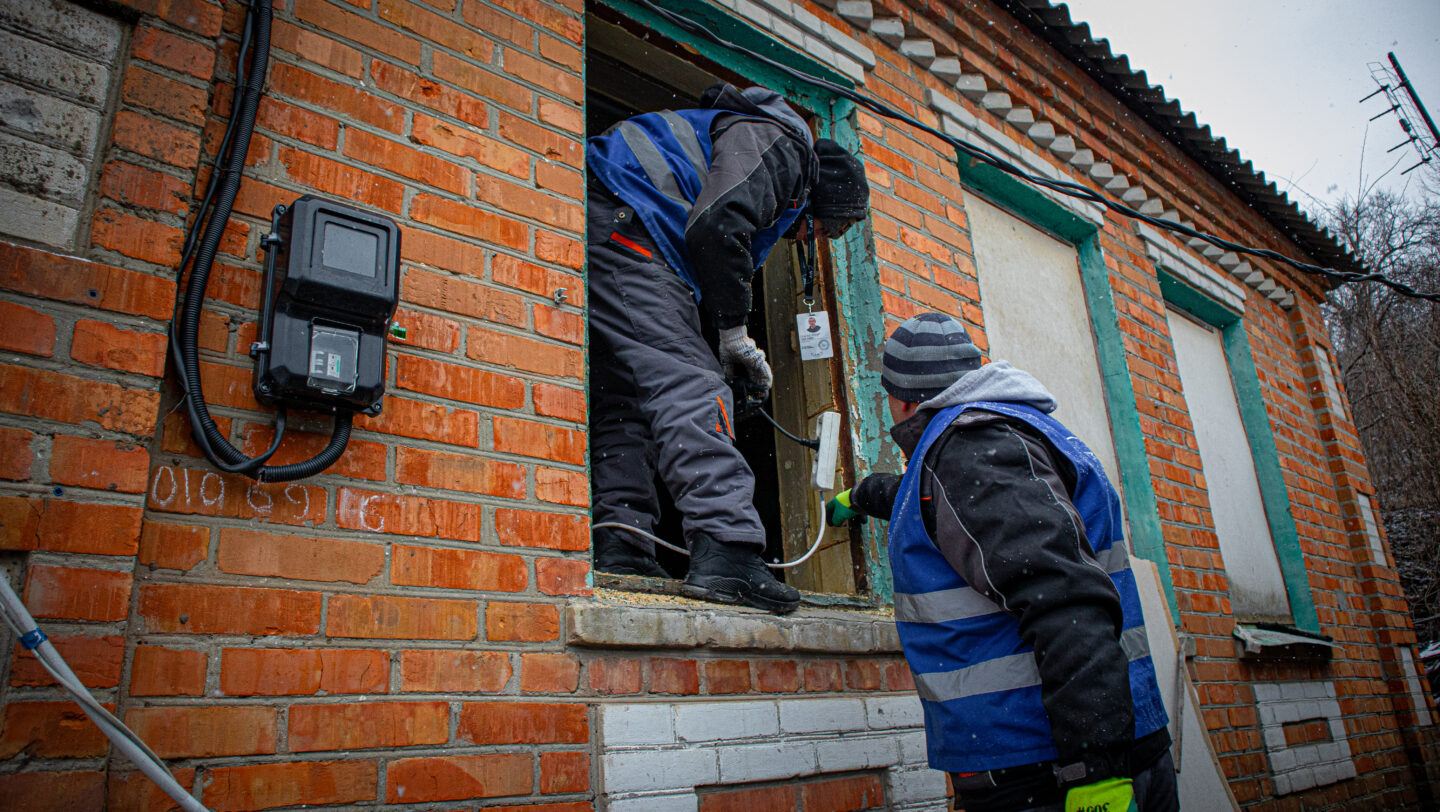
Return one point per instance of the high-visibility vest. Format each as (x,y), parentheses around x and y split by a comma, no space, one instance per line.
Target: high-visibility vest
(978,681)
(656,163)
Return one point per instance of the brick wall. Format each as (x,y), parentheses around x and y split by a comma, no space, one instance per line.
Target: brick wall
(399,630)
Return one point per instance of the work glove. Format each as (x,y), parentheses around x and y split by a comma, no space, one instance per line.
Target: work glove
(739,355)
(1110,795)
(838,510)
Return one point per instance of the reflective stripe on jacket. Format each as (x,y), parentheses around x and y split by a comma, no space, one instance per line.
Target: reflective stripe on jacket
(979,685)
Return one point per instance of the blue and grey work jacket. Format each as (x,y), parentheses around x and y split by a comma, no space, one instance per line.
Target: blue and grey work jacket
(978,680)
(657,164)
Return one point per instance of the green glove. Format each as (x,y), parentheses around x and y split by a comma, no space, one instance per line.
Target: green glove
(1110,795)
(838,510)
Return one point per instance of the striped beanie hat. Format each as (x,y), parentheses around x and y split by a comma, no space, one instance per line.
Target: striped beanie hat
(925,355)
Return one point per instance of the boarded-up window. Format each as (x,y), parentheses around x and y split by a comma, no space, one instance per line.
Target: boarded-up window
(57,65)
(1257,588)
(1037,319)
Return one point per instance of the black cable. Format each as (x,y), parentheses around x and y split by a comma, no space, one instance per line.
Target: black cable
(184,336)
(1068,188)
(812,444)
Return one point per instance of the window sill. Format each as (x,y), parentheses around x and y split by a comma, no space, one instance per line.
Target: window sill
(1276,642)
(614,619)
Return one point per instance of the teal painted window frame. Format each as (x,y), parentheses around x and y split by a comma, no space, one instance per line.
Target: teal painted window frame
(856,276)
(1274,494)
(1146,536)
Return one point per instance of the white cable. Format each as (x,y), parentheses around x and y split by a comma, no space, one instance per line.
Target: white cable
(667,545)
(19,619)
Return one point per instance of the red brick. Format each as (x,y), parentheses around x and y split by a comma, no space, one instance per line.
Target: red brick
(521,622)
(50,730)
(150,90)
(173,546)
(102,464)
(408,85)
(278,672)
(137,187)
(446,568)
(456,382)
(228,385)
(177,53)
(25,330)
(136,792)
(461,472)
(96,661)
(304,86)
(156,139)
(824,677)
(425,421)
(454,672)
(401,618)
(341,180)
(562,115)
(358,725)
(136,238)
(562,576)
(298,123)
(672,676)
(612,675)
(382,512)
(317,48)
(16,455)
(77,594)
(776,676)
(566,83)
(559,249)
(464,297)
(554,146)
(562,487)
(436,29)
(523,722)
(863,675)
(160,671)
(247,552)
(532,439)
(727,676)
(263,786)
(208,493)
(53,791)
(68,399)
(200,609)
(465,142)
(759,799)
(201,732)
(77,281)
(70,527)
(843,794)
(527,276)
(392,156)
(428,332)
(507,350)
(469,220)
(104,345)
(556,531)
(525,200)
(453,778)
(482,83)
(559,401)
(360,29)
(549,674)
(564,772)
(425,248)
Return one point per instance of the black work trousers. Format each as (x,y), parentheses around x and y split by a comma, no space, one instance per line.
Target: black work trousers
(658,397)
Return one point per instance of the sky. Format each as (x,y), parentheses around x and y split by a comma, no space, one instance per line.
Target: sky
(1281,80)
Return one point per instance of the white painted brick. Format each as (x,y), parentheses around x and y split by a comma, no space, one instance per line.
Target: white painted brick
(856,12)
(1337,730)
(1020,118)
(1329,707)
(1347,770)
(782,7)
(915,785)
(1306,755)
(1282,760)
(766,762)
(66,24)
(49,120)
(1303,779)
(820,49)
(850,68)
(857,753)
(996,102)
(789,33)
(1291,690)
(913,748)
(815,715)
(1083,158)
(883,712)
(709,721)
(947,68)
(636,723)
(34,219)
(1063,147)
(889,29)
(972,86)
(1330,690)
(681,801)
(47,171)
(847,44)
(920,51)
(1283,785)
(54,70)
(1275,738)
(656,769)
(1330,751)
(751,11)
(1327,774)
(809,22)
(1041,132)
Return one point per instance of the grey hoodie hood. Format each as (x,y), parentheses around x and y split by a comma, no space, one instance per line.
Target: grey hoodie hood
(996,381)
(761,102)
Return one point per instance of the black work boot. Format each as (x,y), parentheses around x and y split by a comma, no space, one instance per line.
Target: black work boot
(735,573)
(617,556)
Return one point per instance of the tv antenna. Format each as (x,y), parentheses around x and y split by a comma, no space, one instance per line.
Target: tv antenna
(1406,105)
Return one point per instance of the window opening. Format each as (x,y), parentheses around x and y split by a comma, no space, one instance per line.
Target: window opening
(632,70)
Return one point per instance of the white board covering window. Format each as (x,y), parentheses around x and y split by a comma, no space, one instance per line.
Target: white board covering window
(1257,588)
(1036,317)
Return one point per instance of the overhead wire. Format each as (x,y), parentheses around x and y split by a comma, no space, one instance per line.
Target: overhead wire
(1068,188)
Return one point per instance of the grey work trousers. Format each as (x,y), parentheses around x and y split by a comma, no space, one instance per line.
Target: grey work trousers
(658,398)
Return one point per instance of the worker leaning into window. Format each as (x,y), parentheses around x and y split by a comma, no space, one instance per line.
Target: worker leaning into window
(1014,599)
(684,205)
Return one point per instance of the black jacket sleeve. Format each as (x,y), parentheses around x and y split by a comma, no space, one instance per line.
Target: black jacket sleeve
(1000,510)
(875,495)
(756,172)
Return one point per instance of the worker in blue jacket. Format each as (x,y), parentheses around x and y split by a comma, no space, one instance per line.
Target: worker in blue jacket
(683,207)
(1014,598)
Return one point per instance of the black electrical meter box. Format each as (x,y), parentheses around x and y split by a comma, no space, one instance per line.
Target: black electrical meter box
(336,283)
